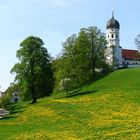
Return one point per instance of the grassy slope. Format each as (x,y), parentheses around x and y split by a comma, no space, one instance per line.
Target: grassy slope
(107,109)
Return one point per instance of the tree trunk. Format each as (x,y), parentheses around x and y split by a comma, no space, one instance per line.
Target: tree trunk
(93,65)
(33,100)
(33,92)
(93,71)
(93,57)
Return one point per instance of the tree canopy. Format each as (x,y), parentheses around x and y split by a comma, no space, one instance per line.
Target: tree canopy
(82,54)
(33,71)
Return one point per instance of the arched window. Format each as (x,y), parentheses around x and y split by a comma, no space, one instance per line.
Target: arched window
(112,36)
(108,36)
(116,36)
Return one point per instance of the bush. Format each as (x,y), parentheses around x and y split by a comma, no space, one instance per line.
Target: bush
(66,85)
(5,101)
(107,68)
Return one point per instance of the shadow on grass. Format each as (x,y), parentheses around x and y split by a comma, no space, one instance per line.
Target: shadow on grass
(17,111)
(75,91)
(8,117)
(101,75)
(15,108)
(73,94)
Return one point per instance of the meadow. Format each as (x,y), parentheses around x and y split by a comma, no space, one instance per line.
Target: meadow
(108,109)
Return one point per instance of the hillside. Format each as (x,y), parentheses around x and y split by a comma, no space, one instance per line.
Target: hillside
(107,109)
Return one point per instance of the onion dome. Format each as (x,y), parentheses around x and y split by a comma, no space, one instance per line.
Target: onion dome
(113,23)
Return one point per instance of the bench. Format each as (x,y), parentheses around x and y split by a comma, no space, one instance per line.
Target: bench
(3,113)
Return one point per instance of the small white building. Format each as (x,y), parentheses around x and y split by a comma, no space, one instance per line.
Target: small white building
(131,57)
(15,97)
(115,55)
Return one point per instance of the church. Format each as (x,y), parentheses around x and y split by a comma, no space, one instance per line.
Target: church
(115,55)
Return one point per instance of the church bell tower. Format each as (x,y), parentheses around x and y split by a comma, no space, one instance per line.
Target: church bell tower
(113,51)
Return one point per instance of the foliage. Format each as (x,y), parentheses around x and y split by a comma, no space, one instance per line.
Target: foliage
(33,71)
(5,100)
(81,55)
(107,109)
(66,85)
(96,42)
(14,87)
(8,95)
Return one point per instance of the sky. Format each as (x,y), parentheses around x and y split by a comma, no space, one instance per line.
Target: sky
(55,20)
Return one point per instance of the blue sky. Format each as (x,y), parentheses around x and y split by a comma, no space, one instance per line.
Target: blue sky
(55,20)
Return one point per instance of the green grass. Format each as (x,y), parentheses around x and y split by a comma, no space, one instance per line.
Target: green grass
(108,109)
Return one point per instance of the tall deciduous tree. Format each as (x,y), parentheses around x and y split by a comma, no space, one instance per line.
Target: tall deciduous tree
(65,65)
(33,71)
(96,43)
(81,55)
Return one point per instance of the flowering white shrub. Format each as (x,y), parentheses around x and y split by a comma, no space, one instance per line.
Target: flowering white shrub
(65,84)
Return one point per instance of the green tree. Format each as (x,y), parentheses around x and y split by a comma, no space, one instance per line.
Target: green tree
(65,85)
(65,65)
(95,44)
(81,55)
(33,71)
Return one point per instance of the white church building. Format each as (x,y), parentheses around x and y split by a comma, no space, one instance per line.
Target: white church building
(115,55)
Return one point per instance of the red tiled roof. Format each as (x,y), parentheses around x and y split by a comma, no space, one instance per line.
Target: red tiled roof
(131,54)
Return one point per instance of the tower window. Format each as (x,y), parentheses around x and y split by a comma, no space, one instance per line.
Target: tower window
(108,36)
(112,36)
(116,36)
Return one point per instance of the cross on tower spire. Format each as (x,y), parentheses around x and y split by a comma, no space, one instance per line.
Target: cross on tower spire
(112,13)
